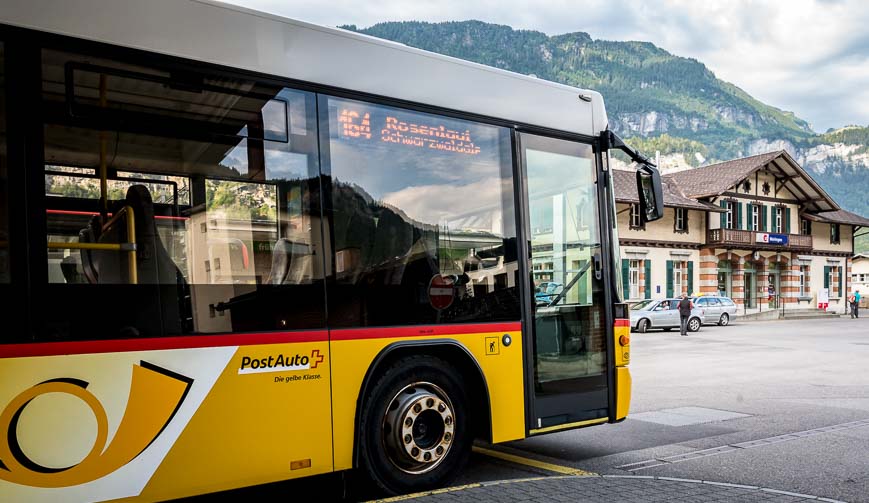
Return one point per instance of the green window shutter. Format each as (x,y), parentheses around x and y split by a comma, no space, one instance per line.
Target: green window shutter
(826,276)
(841,292)
(690,277)
(723,216)
(626,279)
(763,217)
(738,216)
(669,278)
(787,218)
(648,272)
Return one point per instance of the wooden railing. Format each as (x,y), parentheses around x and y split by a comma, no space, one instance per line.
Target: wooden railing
(747,239)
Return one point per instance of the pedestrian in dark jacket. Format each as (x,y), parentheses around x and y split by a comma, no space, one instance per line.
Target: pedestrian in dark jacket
(685,307)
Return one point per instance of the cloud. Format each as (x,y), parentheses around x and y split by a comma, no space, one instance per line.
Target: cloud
(787,54)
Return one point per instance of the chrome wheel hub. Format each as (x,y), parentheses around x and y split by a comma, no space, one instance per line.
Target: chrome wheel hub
(418,428)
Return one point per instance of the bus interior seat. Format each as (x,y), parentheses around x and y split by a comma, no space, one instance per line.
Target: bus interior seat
(89,235)
(291,263)
(69,266)
(154,266)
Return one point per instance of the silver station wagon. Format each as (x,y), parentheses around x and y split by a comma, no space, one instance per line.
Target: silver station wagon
(715,309)
(663,314)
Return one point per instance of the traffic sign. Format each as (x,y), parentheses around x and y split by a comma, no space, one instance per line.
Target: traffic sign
(440,292)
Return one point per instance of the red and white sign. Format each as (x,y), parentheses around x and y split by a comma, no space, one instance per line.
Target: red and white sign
(440,292)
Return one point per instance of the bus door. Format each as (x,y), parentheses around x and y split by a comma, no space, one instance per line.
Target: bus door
(567,325)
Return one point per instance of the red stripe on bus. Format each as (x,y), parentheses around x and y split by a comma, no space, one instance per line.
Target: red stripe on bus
(622,323)
(421,331)
(158,343)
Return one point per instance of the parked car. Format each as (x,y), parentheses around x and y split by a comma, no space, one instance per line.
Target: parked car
(664,314)
(715,309)
(546,292)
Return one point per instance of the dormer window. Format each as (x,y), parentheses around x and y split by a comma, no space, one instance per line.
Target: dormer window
(636,221)
(681,222)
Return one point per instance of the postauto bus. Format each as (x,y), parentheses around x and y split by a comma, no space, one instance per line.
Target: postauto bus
(237,248)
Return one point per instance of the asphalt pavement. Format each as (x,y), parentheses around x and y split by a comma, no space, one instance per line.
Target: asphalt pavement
(774,406)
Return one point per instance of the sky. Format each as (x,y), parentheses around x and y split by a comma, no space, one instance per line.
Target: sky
(810,57)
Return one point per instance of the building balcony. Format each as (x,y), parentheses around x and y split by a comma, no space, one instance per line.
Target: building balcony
(753,240)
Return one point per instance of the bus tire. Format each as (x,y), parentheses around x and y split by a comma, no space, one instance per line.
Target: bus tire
(414,428)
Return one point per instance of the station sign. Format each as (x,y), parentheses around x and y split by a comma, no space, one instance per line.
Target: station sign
(771,239)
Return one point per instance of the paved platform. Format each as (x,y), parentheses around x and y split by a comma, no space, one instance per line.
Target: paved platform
(596,488)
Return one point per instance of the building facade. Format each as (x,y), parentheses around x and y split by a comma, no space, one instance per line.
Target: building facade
(860,277)
(758,229)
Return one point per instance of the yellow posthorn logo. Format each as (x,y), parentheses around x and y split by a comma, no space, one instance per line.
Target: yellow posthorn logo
(155,396)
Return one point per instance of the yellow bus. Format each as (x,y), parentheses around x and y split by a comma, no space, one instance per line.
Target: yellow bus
(237,249)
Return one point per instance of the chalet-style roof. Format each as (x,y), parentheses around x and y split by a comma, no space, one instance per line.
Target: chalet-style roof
(838,217)
(626,192)
(715,179)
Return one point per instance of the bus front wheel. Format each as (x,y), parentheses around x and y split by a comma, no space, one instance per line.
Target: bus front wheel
(414,430)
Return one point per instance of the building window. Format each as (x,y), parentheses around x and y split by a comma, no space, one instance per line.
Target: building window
(755,217)
(804,281)
(677,279)
(777,216)
(634,279)
(832,281)
(834,234)
(636,220)
(731,215)
(681,224)
(806,227)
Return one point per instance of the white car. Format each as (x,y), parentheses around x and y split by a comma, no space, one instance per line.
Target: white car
(663,314)
(715,309)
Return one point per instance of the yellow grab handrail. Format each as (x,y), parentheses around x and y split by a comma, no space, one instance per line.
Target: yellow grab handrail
(129,246)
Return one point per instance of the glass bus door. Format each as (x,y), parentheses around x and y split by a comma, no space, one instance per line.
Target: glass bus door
(568,323)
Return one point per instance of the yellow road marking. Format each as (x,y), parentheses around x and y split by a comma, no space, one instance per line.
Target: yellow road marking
(564,470)
(542,465)
(560,427)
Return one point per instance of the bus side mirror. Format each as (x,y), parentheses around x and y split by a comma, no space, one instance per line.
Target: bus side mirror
(651,193)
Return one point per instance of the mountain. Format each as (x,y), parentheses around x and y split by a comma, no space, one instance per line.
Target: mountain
(662,103)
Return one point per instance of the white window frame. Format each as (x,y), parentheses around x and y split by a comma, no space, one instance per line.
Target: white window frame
(731,214)
(804,281)
(636,221)
(804,227)
(677,281)
(634,279)
(778,219)
(680,220)
(833,280)
(755,217)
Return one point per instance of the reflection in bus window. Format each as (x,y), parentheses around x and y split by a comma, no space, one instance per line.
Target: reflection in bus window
(4,208)
(219,178)
(424,229)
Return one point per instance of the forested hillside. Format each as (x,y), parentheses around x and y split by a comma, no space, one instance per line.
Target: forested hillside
(663,103)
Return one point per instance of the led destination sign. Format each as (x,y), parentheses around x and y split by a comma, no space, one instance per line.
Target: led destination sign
(395,131)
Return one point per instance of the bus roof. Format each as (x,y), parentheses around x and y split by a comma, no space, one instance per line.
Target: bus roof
(237,37)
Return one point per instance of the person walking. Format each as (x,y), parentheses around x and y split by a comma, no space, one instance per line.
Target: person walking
(855,307)
(685,307)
